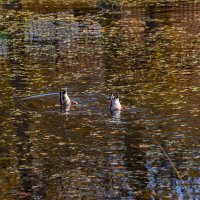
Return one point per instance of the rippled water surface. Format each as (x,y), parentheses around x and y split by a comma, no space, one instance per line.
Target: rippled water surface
(148,53)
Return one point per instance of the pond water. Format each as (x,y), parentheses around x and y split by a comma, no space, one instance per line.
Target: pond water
(149,54)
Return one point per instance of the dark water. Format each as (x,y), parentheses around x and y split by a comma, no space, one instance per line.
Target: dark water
(148,53)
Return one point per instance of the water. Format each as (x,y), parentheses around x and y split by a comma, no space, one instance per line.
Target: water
(148,53)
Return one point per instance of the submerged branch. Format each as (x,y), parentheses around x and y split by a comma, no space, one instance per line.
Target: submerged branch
(174,168)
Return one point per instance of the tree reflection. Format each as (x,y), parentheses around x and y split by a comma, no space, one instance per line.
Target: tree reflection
(147,54)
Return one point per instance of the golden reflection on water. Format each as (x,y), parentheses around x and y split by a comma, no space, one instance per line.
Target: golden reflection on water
(148,54)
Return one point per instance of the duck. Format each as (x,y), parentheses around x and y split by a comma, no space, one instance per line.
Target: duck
(115,103)
(65,100)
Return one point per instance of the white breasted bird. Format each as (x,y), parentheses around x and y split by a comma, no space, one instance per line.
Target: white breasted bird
(64,98)
(115,103)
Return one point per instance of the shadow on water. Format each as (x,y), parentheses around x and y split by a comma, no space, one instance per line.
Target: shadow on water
(13,5)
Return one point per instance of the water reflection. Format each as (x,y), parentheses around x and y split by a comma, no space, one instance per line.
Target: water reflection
(116,114)
(149,54)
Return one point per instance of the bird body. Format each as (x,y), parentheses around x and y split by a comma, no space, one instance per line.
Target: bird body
(115,103)
(65,100)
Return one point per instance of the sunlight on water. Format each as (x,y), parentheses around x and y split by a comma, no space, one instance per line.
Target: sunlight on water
(148,52)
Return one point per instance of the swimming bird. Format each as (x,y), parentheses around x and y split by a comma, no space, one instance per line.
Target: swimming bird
(115,103)
(65,100)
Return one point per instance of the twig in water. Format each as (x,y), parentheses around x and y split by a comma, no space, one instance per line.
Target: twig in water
(174,168)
